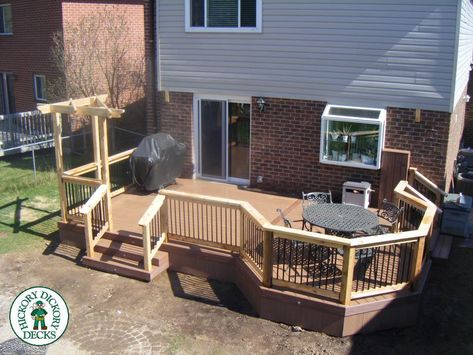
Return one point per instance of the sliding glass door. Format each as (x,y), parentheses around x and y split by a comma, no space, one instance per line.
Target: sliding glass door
(212,138)
(224,140)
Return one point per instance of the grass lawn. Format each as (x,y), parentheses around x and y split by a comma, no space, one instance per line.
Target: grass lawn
(29,207)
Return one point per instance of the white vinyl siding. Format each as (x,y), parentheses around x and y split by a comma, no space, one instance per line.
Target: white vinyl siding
(357,53)
(465,51)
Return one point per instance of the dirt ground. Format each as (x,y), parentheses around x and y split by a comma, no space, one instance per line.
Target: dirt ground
(180,314)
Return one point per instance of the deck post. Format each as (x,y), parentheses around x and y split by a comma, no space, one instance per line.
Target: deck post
(105,169)
(147,248)
(163,216)
(416,262)
(96,145)
(347,274)
(57,128)
(267,258)
(89,239)
(411,176)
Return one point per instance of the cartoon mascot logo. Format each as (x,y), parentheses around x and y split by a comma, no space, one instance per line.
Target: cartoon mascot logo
(39,316)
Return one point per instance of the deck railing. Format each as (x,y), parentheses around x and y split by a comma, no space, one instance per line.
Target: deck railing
(154,224)
(426,187)
(325,265)
(94,216)
(17,129)
(78,184)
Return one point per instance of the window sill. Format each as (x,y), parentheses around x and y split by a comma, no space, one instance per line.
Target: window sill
(6,34)
(351,164)
(41,100)
(223,30)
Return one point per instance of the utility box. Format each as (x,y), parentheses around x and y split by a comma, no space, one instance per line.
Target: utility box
(357,193)
(456,212)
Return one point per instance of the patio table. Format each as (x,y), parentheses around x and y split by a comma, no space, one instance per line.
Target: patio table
(343,218)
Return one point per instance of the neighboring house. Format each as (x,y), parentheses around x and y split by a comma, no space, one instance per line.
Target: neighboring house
(26,29)
(304,95)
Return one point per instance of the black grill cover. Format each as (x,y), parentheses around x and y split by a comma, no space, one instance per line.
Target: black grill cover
(157,161)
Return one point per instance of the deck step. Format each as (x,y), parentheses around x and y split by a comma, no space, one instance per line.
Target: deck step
(442,247)
(126,267)
(123,255)
(124,237)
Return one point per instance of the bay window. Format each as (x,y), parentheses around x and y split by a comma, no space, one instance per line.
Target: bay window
(352,136)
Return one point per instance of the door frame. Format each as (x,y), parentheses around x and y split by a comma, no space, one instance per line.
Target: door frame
(197,142)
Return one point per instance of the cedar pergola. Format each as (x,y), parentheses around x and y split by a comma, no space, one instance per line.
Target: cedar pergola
(99,113)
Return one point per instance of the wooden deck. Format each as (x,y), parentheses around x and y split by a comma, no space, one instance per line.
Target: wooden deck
(131,205)
(293,262)
(307,281)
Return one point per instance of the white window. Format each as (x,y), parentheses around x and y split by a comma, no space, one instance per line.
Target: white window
(40,87)
(5,19)
(223,15)
(352,136)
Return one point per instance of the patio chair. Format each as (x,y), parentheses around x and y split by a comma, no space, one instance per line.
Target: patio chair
(313,198)
(390,213)
(316,198)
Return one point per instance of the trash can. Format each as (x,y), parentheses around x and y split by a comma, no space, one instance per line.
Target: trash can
(356,193)
(456,212)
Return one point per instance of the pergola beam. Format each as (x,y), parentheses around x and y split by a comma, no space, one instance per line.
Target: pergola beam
(86,101)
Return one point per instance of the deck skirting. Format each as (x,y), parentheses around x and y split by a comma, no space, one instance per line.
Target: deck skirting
(284,306)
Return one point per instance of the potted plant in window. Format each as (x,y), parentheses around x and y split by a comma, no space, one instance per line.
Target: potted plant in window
(368,157)
(338,151)
(345,133)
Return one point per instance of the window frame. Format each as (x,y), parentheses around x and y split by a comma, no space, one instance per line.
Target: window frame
(380,121)
(257,29)
(37,98)
(4,23)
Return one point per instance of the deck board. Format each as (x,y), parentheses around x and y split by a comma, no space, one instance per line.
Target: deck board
(391,264)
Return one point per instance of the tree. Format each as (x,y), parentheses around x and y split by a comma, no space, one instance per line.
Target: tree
(95,55)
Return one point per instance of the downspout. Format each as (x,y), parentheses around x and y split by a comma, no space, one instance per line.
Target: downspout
(154,66)
(455,57)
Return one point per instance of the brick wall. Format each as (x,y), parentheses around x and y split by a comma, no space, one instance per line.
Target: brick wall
(285,143)
(132,10)
(285,146)
(26,52)
(427,140)
(175,118)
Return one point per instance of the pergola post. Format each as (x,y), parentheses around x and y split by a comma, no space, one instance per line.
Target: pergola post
(105,168)
(100,113)
(96,145)
(57,128)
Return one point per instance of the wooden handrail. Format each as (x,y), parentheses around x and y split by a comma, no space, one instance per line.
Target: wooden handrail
(121,156)
(94,199)
(80,170)
(203,198)
(153,208)
(429,184)
(314,237)
(81,180)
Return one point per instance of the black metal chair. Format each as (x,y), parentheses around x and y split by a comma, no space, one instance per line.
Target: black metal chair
(314,198)
(390,213)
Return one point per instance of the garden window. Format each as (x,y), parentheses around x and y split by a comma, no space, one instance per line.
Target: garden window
(5,19)
(40,87)
(223,15)
(352,136)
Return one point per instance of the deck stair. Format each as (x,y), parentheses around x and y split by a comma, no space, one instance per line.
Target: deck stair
(123,255)
(442,248)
